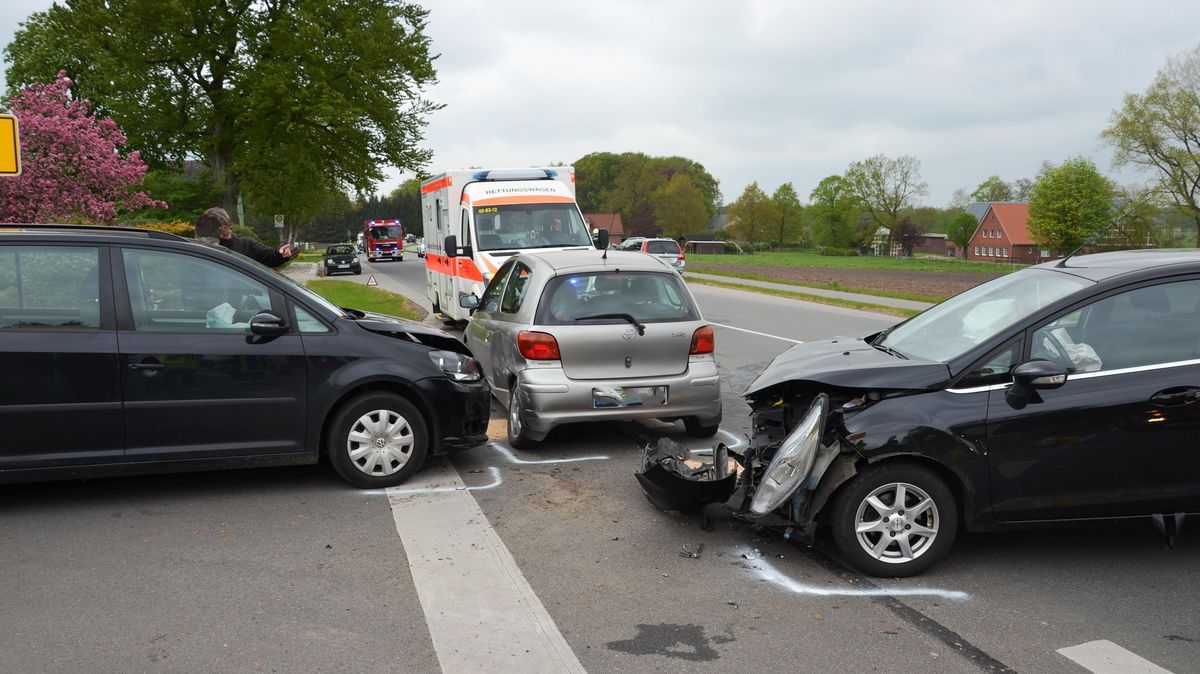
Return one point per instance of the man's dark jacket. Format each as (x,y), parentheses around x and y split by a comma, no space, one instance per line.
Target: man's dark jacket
(255,251)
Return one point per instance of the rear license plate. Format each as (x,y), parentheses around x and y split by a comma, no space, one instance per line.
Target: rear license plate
(629,396)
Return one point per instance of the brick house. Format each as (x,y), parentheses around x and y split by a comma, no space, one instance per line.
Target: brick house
(1003,236)
(609,221)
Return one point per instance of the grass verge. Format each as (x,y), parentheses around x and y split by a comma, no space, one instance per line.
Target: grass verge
(932,299)
(832,301)
(807,259)
(365,298)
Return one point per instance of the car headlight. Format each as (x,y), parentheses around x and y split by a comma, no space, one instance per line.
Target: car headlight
(456,366)
(328,260)
(793,460)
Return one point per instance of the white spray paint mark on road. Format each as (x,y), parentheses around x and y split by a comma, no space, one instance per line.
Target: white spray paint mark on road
(1105,657)
(754,332)
(436,489)
(512,458)
(766,571)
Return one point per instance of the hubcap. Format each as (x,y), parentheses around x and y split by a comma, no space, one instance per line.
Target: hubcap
(380,442)
(897,523)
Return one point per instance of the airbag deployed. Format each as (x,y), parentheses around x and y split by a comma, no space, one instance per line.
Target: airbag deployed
(676,478)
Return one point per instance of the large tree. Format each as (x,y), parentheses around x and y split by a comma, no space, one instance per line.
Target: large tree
(286,100)
(752,215)
(993,189)
(962,228)
(1159,130)
(679,207)
(831,213)
(632,182)
(73,167)
(1071,204)
(788,226)
(886,186)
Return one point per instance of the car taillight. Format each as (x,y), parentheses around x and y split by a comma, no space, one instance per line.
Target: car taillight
(540,345)
(681,256)
(703,341)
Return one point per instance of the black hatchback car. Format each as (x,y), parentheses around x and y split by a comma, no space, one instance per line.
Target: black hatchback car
(127,351)
(1068,392)
(341,259)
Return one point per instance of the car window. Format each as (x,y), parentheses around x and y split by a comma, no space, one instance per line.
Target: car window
(662,247)
(49,287)
(169,292)
(1150,325)
(339,250)
(514,292)
(995,369)
(649,297)
(307,323)
(491,295)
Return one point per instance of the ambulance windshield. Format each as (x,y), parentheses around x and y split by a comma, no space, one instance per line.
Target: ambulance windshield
(515,226)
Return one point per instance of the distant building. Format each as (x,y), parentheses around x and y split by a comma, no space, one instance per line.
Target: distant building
(609,221)
(1003,236)
(933,243)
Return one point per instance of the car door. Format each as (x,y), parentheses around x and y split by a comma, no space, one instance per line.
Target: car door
(197,383)
(481,330)
(1119,437)
(60,400)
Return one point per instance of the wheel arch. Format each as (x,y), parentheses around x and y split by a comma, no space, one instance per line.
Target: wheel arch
(838,479)
(409,393)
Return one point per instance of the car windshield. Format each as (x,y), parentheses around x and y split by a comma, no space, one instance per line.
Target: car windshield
(385,232)
(516,226)
(600,297)
(953,327)
(339,250)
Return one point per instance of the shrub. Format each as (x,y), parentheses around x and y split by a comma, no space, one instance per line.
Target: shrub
(176,227)
(839,252)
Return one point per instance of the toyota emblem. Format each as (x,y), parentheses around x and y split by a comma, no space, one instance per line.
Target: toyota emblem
(628,334)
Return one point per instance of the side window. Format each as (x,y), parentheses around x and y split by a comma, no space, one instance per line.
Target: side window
(514,293)
(490,301)
(464,236)
(169,292)
(1151,325)
(49,288)
(307,323)
(996,369)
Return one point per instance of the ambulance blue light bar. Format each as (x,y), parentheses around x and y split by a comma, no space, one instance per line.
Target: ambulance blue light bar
(515,174)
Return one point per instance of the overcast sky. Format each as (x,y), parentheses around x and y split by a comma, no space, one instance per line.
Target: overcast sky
(786,91)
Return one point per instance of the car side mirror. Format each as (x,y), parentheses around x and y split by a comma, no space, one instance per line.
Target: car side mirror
(267,324)
(1031,377)
(602,238)
(450,247)
(468,302)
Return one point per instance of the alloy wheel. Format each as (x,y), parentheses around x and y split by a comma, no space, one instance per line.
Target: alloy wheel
(897,523)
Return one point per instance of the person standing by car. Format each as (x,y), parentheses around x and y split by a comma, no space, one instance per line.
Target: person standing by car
(217,219)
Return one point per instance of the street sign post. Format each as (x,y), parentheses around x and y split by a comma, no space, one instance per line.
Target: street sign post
(279,221)
(10,146)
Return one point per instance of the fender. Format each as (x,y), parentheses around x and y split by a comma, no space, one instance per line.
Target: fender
(330,388)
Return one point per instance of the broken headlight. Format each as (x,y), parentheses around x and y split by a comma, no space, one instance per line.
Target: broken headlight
(793,460)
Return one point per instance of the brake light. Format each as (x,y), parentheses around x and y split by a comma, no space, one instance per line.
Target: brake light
(703,341)
(681,256)
(540,345)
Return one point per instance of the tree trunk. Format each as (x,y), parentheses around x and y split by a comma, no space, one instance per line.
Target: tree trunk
(1196,216)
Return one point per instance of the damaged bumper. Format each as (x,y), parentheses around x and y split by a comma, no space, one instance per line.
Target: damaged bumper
(676,478)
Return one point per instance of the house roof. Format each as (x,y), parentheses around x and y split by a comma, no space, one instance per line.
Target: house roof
(1014,218)
(609,221)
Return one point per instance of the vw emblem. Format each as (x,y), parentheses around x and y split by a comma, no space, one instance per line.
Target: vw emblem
(628,334)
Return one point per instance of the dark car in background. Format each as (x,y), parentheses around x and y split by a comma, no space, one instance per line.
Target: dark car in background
(1066,393)
(127,351)
(341,259)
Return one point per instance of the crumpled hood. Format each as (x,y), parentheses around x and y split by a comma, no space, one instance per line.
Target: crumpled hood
(412,330)
(849,362)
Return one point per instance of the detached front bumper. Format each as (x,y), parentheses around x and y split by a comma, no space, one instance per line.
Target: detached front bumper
(460,413)
(553,399)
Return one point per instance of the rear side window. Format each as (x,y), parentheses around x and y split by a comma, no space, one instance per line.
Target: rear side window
(514,292)
(662,247)
(49,288)
(647,296)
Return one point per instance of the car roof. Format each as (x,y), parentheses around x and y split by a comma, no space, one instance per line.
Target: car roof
(1101,266)
(595,260)
(69,230)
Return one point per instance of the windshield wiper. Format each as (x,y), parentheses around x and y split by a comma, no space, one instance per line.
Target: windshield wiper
(889,350)
(625,317)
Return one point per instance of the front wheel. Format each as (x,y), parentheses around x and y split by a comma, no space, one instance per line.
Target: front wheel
(377,440)
(894,519)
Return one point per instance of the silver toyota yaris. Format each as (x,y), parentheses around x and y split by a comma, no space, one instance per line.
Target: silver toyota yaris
(590,335)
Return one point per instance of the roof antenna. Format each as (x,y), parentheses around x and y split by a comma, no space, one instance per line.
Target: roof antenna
(1086,242)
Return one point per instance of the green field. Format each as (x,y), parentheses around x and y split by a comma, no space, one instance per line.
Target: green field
(358,296)
(808,259)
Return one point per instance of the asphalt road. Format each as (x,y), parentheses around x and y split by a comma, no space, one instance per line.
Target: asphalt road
(290,570)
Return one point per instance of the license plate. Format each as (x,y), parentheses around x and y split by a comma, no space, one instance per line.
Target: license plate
(343,266)
(629,396)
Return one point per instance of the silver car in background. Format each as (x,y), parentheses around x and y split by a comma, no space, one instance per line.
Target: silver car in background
(589,335)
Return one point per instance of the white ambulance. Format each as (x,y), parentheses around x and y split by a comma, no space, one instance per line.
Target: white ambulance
(475,219)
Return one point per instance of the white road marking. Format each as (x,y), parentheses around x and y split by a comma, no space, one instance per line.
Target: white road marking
(766,571)
(753,332)
(512,458)
(482,614)
(1105,657)
(437,489)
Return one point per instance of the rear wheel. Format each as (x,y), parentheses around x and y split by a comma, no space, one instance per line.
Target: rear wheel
(517,436)
(894,519)
(697,430)
(377,440)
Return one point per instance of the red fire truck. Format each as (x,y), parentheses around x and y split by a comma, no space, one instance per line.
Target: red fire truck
(383,240)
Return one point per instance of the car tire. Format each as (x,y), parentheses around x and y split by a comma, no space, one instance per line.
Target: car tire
(870,497)
(517,436)
(357,272)
(696,430)
(400,444)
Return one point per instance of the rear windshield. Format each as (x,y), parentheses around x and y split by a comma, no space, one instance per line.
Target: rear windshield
(649,297)
(660,247)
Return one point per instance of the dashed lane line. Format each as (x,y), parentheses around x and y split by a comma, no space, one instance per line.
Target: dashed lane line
(482,614)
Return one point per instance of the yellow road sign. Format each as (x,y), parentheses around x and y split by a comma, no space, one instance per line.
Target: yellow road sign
(10,146)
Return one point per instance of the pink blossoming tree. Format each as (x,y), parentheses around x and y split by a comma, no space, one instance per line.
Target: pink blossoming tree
(71,166)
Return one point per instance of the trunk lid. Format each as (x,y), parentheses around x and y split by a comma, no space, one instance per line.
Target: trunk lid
(615,350)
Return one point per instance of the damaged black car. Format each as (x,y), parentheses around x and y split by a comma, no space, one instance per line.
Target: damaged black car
(1064,393)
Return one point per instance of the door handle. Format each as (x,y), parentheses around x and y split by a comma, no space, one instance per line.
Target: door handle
(149,364)
(1176,397)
